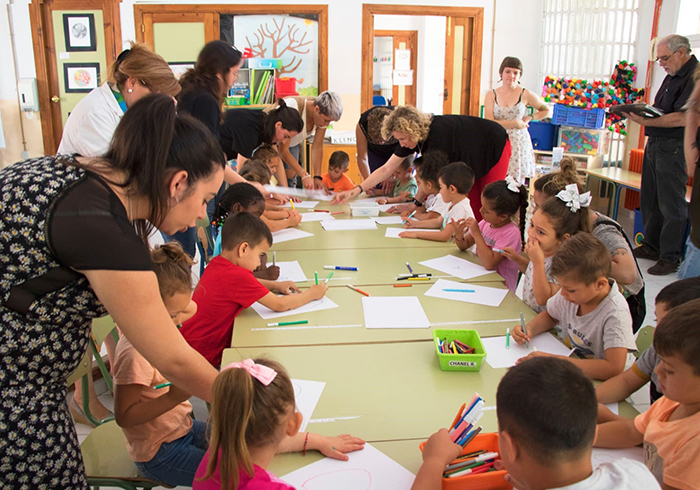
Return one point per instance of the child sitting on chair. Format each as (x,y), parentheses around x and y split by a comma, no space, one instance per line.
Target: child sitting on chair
(164,442)
(405,186)
(335,179)
(228,286)
(427,168)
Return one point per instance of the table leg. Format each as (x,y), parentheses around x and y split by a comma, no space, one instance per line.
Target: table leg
(618,190)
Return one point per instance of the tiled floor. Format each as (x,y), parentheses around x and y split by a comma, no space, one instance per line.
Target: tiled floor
(640,399)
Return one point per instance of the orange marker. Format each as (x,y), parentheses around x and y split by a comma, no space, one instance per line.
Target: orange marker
(337,212)
(402,285)
(358,290)
(459,414)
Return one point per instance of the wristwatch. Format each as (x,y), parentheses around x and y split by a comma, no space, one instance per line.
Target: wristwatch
(417,202)
(318,177)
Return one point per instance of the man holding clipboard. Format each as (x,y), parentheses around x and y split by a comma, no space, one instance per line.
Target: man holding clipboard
(664,208)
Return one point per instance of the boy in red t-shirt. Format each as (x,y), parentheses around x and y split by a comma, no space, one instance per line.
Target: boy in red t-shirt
(228,285)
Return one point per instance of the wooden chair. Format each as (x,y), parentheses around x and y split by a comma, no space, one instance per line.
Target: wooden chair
(645,337)
(108,464)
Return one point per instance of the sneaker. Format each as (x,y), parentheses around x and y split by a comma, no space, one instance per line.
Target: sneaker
(645,253)
(663,267)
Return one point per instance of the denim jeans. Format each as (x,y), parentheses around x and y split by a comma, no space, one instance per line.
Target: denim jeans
(664,208)
(295,151)
(690,267)
(176,462)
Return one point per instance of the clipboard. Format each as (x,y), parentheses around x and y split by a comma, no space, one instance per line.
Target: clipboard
(643,110)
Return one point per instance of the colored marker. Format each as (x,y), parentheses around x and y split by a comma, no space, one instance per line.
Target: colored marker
(507,338)
(406,276)
(402,285)
(409,267)
(419,279)
(339,268)
(329,277)
(321,211)
(522,323)
(358,290)
(497,250)
(459,416)
(162,385)
(282,324)
(292,203)
(274,258)
(316,277)
(337,212)
(409,217)
(459,290)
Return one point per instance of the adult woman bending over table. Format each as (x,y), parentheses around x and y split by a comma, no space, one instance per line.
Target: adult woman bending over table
(74,241)
(480,143)
(507,105)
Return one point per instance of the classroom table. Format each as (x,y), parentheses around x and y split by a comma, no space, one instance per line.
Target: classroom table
(383,392)
(375,267)
(346,324)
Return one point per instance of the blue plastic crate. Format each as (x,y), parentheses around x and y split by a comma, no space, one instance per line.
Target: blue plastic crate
(565,115)
(543,135)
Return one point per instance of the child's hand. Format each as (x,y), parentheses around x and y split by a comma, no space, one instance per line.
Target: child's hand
(510,253)
(405,195)
(534,251)
(403,209)
(178,395)
(336,447)
(519,336)
(408,234)
(370,192)
(318,291)
(382,200)
(272,272)
(294,220)
(460,229)
(473,226)
(286,287)
(411,223)
(441,448)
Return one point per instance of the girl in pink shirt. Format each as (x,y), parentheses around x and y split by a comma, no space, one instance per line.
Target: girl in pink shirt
(252,418)
(500,201)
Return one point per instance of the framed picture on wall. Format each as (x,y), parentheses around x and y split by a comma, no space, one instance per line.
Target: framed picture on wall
(179,69)
(80,78)
(79,32)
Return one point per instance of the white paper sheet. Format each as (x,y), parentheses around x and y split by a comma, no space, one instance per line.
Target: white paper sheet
(499,357)
(388,220)
(289,234)
(614,407)
(291,271)
(349,224)
(308,217)
(449,264)
(394,312)
(306,395)
(363,201)
(600,455)
(302,205)
(393,232)
(303,193)
(367,469)
(316,305)
(482,295)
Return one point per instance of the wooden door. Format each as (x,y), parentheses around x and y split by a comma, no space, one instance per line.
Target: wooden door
(178,36)
(402,40)
(462,68)
(75,42)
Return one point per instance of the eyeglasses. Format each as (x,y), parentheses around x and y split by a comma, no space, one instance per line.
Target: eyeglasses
(664,58)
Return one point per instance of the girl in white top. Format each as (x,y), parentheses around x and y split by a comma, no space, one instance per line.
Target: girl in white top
(317,113)
(507,105)
(91,124)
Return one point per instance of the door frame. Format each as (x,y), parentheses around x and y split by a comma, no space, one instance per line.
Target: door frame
(473,45)
(413,36)
(40,16)
(140,10)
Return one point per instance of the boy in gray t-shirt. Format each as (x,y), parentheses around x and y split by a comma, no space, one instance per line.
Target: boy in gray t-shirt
(589,307)
(642,371)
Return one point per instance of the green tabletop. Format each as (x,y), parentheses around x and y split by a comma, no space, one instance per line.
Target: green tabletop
(396,391)
(375,267)
(251,331)
(405,452)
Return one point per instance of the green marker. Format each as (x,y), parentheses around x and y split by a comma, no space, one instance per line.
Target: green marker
(316,276)
(282,324)
(162,385)
(508,338)
(329,277)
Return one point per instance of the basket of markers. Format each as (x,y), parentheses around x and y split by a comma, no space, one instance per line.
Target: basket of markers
(459,350)
(475,468)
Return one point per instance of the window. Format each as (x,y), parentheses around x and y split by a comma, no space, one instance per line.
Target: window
(585,39)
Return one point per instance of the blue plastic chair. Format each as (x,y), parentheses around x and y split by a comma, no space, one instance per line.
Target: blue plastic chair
(379,100)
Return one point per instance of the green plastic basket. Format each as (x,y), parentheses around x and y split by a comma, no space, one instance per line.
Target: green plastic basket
(460,362)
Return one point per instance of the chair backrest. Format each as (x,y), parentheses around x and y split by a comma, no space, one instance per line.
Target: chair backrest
(379,100)
(82,369)
(206,226)
(101,328)
(645,337)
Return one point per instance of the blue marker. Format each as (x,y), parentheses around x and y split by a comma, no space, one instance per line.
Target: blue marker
(459,290)
(339,268)
(497,250)
(409,217)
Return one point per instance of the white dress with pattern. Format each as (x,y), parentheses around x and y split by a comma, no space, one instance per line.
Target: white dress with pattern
(522,158)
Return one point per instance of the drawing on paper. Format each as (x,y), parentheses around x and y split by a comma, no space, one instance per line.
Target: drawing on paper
(353,479)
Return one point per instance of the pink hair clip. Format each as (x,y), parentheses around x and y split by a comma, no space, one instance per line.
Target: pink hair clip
(262,373)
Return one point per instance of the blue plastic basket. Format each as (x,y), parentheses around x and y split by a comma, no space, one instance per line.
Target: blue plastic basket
(565,115)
